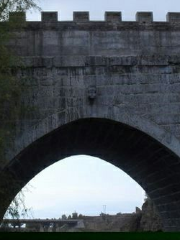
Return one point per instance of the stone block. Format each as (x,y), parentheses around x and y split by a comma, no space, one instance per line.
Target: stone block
(173,17)
(144,17)
(17,16)
(81,16)
(113,17)
(49,16)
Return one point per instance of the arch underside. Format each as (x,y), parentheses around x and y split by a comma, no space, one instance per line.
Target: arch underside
(148,162)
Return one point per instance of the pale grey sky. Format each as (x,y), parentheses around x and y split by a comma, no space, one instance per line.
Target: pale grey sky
(85,184)
(97,8)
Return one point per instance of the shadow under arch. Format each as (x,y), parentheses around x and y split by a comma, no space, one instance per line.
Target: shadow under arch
(152,165)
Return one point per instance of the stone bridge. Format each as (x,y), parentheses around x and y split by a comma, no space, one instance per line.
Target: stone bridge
(109,89)
(40,225)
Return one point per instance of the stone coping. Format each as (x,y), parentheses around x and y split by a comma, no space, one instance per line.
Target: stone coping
(85,61)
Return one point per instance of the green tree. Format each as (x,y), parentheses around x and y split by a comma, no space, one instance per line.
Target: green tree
(64,217)
(7,6)
(18,208)
(74,215)
(10,85)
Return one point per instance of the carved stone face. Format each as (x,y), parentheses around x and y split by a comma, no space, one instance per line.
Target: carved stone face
(91,93)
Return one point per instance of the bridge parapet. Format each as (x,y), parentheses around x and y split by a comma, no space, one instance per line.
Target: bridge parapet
(144,17)
(173,17)
(83,16)
(113,16)
(49,16)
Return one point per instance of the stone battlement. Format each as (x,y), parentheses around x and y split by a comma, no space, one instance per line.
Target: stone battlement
(114,17)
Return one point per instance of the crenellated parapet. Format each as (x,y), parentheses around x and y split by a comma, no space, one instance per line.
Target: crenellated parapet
(114,17)
(85,37)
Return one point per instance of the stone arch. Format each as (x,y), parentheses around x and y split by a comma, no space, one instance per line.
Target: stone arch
(58,119)
(139,147)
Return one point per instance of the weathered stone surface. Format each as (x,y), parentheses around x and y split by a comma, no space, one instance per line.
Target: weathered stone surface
(144,17)
(81,16)
(113,16)
(49,16)
(173,17)
(145,220)
(133,121)
(150,219)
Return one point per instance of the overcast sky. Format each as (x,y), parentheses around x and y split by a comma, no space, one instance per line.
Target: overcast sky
(86,184)
(82,184)
(97,8)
